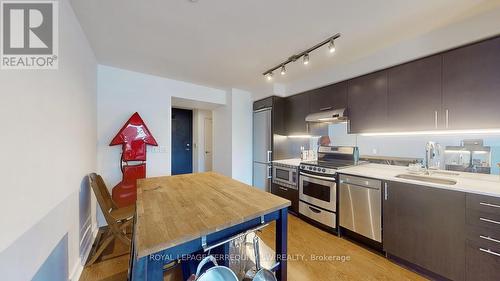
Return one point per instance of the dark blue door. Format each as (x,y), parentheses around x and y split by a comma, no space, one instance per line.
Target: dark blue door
(182,141)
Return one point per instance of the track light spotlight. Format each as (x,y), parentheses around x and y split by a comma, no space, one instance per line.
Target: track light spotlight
(331,46)
(283,70)
(269,76)
(306,58)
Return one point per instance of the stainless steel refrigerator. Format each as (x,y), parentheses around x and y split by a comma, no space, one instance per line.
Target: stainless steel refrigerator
(262,149)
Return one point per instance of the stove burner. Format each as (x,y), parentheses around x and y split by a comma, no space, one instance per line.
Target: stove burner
(330,159)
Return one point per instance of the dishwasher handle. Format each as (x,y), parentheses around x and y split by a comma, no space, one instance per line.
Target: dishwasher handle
(359,185)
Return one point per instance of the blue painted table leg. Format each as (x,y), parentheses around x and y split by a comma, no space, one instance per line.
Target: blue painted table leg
(281,244)
(139,270)
(154,268)
(222,253)
(186,270)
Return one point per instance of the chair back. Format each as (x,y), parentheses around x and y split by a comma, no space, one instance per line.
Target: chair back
(102,194)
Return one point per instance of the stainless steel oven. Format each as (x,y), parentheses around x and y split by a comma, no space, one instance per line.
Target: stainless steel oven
(320,191)
(285,175)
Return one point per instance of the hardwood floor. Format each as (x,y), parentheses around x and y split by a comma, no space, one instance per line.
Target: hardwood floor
(311,242)
(305,242)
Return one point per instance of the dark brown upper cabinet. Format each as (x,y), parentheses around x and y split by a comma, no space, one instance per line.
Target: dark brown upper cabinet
(471,86)
(329,97)
(367,103)
(414,95)
(296,110)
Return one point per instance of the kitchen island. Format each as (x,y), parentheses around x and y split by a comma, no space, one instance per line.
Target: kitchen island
(184,214)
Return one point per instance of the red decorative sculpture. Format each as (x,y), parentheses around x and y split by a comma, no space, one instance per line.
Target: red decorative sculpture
(133,136)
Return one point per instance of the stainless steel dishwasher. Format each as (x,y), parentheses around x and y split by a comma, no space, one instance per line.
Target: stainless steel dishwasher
(361,206)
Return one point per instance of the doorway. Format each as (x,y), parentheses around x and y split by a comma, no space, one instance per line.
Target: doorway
(207,129)
(182,141)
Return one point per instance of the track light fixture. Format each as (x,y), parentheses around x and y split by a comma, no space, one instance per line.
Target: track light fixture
(331,46)
(283,70)
(304,55)
(306,59)
(269,76)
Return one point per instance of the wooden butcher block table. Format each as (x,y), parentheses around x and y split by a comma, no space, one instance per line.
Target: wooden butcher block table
(184,214)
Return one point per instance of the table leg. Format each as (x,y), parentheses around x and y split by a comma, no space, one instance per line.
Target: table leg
(154,269)
(281,244)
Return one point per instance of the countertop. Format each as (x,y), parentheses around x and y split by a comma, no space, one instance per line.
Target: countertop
(466,182)
(176,209)
(292,162)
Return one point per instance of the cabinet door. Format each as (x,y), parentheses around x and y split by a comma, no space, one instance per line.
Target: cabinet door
(263,103)
(367,103)
(287,193)
(425,226)
(278,126)
(414,95)
(329,97)
(471,86)
(296,110)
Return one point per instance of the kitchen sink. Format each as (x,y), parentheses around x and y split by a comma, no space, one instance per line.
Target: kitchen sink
(427,179)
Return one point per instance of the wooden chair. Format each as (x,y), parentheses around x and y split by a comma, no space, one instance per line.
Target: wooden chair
(118,219)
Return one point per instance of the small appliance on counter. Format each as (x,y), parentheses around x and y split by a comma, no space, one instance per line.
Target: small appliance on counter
(285,181)
(471,156)
(389,160)
(285,172)
(318,184)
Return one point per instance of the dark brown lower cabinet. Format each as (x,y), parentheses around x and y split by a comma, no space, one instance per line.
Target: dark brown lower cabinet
(483,238)
(425,226)
(287,193)
(483,263)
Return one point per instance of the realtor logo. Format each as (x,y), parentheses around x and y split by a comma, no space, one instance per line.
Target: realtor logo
(29,35)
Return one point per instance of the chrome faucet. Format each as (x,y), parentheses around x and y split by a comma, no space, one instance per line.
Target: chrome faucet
(431,151)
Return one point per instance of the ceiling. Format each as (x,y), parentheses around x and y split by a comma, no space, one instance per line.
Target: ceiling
(228,44)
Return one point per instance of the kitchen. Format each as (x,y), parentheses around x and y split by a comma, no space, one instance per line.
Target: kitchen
(423,210)
(251,140)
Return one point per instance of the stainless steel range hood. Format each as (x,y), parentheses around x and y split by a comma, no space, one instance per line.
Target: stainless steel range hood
(329,116)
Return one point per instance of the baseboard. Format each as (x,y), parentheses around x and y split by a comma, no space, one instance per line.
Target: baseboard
(80,264)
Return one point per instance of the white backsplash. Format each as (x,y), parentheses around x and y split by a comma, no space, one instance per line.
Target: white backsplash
(404,146)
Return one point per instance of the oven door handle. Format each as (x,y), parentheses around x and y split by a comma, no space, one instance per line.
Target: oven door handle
(317,177)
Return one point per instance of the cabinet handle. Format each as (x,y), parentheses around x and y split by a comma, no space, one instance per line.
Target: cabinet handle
(488,251)
(447,118)
(489,239)
(283,188)
(489,205)
(435,119)
(315,210)
(490,221)
(269,155)
(325,108)
(269,172)
(385,192)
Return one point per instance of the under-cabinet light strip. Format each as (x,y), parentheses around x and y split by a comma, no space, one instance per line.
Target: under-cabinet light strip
(447,132)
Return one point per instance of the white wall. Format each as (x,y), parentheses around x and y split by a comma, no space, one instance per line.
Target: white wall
(49,132)
(242,143)
(233,136)
(120,94)
(222,146)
